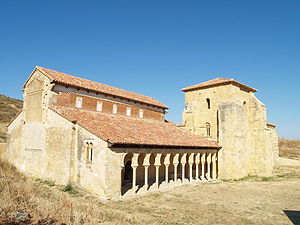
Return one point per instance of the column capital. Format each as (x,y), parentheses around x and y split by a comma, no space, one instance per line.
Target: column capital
(134,161)
(197,158)
(191,158)
(146,161)
(157,159)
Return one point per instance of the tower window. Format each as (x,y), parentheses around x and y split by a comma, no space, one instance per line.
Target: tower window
(207,126)
(208,103)
(78,102)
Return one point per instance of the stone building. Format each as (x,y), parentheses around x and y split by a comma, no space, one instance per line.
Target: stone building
(106,140)
(228,112)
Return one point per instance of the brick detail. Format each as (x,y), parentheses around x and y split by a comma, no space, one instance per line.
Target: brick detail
(90,103)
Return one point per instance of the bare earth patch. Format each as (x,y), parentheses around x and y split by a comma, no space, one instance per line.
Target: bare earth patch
(251,200)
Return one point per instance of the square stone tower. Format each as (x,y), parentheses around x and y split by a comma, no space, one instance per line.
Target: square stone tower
(228,112)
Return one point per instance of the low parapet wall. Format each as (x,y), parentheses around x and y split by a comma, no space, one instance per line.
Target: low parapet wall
(2,148)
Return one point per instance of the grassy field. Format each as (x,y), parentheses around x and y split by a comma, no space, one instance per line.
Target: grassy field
(252,200)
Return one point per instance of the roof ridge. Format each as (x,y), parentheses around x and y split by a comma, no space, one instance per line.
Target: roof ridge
(216,82)
(72,80)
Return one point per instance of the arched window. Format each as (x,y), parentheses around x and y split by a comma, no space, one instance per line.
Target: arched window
(207,126)
(89,152)
(208,103)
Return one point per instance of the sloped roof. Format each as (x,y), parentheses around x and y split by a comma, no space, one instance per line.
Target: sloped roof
(67,79)
(118,129)
(218,82)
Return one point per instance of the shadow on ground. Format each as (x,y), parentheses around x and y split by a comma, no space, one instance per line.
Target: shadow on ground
(294,216)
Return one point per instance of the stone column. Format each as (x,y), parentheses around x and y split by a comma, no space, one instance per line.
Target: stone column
(203,158)
(183,162)
(191,162)
(157,165)
(214,165)
(167,163)
(208,160)
(197,161)
(134,165)
(146,165)
(175,163)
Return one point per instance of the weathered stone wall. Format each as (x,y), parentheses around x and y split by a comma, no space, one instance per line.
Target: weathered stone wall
(238,122)
(196,113)
(233,136)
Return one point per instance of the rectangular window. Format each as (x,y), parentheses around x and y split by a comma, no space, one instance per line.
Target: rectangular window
(141,113)
(115,109)
(128,111)
(99,106)
(78,102)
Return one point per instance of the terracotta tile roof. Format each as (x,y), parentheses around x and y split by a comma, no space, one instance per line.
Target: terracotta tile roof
(218,82)
(119,129)
(98,87)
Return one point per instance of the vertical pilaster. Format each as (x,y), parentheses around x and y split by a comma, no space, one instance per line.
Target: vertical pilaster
(208,160)
(197,161)
(183,162)
(175,163)
(134,165)
(214,165)
(157,165)
(146,165)
(167,163)
(191,162)
(203,158)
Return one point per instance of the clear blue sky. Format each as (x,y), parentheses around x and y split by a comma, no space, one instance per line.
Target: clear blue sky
(158,47)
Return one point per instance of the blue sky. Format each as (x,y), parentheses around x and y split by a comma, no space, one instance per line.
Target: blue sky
(156,48)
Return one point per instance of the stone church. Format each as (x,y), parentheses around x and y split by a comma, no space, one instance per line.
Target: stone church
(115,143)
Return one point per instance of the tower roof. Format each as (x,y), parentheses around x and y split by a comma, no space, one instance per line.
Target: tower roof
(218,82)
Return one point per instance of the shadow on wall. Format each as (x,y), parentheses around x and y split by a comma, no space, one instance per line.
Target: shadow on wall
(294,216)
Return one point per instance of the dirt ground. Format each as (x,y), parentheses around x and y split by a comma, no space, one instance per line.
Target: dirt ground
(252,200)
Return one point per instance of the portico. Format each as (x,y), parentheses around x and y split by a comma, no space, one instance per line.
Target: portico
(153,170)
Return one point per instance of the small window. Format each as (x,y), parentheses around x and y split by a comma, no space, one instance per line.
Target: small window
(89,152)
(207,126)
(208,103)
(115,109)
(78,102)
(99,106)
(128,111)
(141,113)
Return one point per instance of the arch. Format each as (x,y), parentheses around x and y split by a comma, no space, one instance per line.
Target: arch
(128,171)
(208,103)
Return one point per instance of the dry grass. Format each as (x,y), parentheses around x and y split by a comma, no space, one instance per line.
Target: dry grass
(289,148)
(247,201)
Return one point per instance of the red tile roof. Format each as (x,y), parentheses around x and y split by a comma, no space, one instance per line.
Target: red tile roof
(119,129)
(218,82)
(98,87)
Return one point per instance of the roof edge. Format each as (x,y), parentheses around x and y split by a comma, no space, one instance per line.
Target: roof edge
(231,81)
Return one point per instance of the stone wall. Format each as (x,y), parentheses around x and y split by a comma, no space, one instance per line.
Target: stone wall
(238,121)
